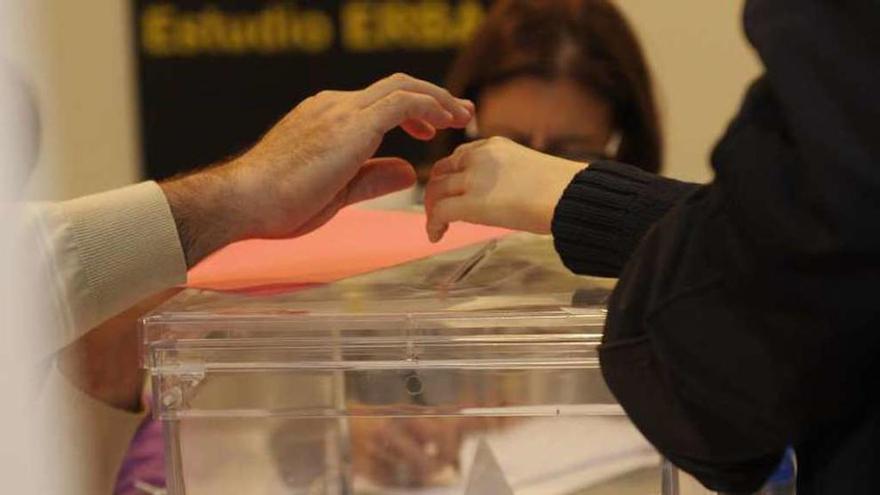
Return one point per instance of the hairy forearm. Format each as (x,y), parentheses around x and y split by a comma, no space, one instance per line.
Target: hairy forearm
(206,209)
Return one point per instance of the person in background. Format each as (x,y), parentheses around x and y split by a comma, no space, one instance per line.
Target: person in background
(564,77)
(98,256)
(567,78)
(745,319)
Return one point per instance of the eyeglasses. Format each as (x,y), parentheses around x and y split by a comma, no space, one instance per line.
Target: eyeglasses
(574,149)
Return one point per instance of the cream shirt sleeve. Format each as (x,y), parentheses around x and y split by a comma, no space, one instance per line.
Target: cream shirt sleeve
(103,253)
(96,256)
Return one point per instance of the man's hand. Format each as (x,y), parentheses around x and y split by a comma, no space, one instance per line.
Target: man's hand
(497,182)
(316,160)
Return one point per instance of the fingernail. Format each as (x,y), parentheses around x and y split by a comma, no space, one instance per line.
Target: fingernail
(468,105)
(463,112)
(439,233)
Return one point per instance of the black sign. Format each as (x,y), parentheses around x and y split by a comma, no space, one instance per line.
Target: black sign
(215,75)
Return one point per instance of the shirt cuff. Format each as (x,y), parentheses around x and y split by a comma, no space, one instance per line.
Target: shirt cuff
(128,248)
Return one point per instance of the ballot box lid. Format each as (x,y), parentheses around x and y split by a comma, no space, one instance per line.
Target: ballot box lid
(506,305)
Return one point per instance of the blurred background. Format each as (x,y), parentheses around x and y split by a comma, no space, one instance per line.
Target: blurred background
(138,89)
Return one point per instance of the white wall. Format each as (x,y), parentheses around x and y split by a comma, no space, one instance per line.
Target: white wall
(86,84)
(702,66)
(85,80)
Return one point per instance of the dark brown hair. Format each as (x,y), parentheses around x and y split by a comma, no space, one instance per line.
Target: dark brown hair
(588,41)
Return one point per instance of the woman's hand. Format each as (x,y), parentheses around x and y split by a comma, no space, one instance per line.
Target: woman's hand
(497,182)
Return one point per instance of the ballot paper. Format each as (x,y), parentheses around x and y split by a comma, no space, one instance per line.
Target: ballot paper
(355,242)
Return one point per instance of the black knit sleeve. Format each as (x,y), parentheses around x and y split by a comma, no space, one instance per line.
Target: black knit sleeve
(605,212)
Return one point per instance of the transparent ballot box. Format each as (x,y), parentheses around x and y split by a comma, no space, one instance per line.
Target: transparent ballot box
(474,372)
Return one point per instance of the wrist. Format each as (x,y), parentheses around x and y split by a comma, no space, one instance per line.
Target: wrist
(206,211)
(558,182)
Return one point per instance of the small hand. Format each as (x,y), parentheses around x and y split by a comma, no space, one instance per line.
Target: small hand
(497,182)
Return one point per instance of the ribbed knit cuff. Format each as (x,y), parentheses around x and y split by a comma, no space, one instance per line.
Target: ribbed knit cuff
(605,212)
(127,244)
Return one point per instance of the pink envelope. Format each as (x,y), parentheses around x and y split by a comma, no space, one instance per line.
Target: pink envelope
(353,243)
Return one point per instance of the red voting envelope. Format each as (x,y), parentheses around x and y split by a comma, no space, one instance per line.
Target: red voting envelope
(353,243)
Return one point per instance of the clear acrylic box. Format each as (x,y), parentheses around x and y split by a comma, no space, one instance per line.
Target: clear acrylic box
(474,372)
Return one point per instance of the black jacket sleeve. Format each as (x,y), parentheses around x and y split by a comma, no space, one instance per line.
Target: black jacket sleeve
(747,319)
(605,212)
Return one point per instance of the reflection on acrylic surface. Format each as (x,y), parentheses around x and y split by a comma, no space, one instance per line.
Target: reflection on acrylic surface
(419,455)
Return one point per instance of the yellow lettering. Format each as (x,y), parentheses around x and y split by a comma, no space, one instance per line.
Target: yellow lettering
(356,26)
(318,32)
(236,38)
(187,40)
(155,26)
(273,32)
(364,26)
(394,24)
(408,25)
(469,16)
(434,25)
(251,35)
(213,32)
